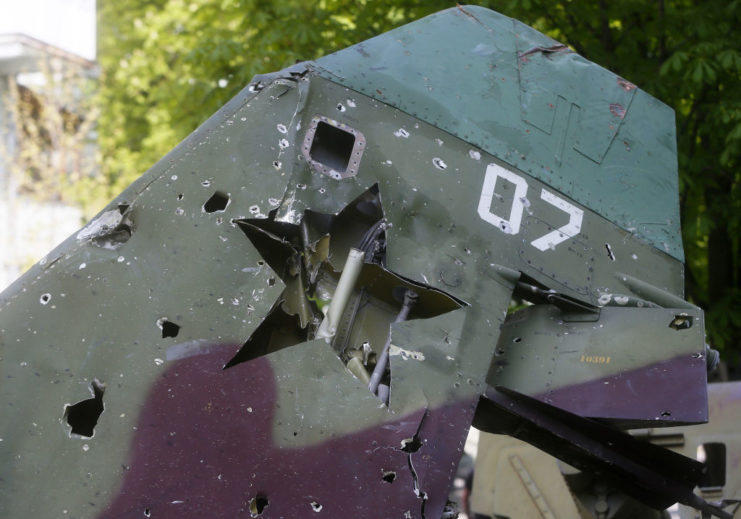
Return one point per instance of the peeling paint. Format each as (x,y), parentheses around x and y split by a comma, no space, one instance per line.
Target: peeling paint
(406,354)
(102,225)
(625,85)
(617,110)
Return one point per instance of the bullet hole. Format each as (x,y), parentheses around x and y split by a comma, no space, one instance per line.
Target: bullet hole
(411,445)
(147,512)
(517,340)
(271,282)
(316,506)
(45,298)
(83,416)
(389,476)
(258,504)
(610,254)
(169,329)
(666,414)
(341,107)
(439,163)
(216,203)
(180,196)
(681,322)
(332,146)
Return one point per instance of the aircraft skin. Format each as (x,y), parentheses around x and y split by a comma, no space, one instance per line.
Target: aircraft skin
(205,345)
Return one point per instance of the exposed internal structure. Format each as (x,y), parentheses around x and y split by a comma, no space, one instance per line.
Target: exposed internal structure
(337,289)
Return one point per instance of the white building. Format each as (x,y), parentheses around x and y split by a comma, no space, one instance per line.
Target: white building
(29,228)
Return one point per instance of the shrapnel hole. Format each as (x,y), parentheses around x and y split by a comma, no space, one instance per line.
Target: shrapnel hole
(258,504)
(411,445)
(169,329)
(83,416)
(216,203)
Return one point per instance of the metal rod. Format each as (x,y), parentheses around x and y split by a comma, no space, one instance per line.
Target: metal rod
(410,299)
(345,287)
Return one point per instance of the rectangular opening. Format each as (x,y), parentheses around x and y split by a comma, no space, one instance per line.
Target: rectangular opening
(332,146)
(715,460)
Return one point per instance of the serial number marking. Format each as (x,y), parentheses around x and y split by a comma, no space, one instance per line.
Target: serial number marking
(595,359)
(511,224)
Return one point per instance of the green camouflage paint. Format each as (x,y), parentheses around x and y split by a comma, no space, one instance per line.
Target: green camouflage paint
(189,310)
(519,95)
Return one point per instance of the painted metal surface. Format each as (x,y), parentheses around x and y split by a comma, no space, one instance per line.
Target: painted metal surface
(170,359)
(519,95)
(717,444)
(587,367)
(655,476)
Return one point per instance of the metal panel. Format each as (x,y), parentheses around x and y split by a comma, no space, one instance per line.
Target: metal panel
(514,92)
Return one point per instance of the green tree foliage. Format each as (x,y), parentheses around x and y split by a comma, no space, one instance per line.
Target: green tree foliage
(168,64)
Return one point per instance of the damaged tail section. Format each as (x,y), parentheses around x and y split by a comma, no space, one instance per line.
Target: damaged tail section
(298,309)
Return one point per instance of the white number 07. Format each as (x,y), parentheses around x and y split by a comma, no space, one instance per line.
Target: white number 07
(511,224)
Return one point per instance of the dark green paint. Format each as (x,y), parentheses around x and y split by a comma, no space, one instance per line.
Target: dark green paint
(533,104)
